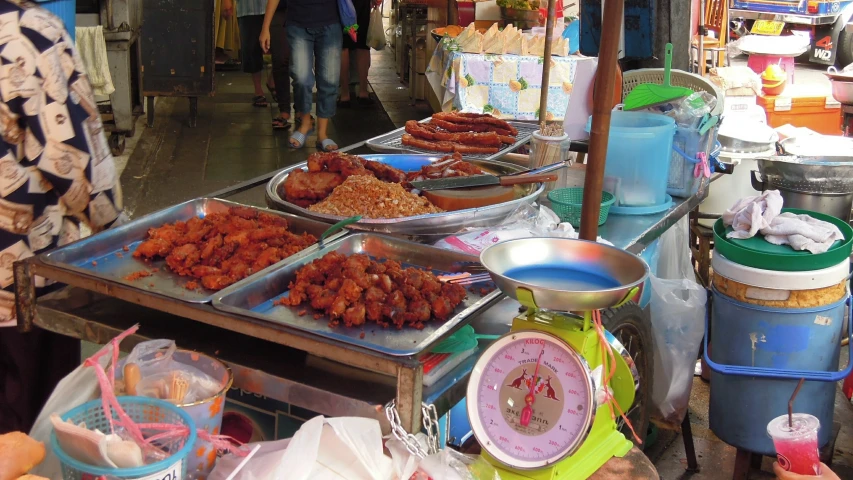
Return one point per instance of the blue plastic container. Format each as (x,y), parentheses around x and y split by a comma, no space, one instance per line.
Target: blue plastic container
(758,355)
(638,154)
(140,410)
(66,10)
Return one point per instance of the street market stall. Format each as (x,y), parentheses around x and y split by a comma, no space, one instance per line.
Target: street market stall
(273,346)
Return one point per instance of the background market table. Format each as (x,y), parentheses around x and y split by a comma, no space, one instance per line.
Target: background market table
(508,86)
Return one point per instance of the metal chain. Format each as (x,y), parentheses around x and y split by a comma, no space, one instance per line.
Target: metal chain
(430,422)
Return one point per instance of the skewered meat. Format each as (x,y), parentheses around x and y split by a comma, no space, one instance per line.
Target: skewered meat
(471,127)
(474,118)
(446,147)
(487,139)
(357,289)
(223,248)
(449,166)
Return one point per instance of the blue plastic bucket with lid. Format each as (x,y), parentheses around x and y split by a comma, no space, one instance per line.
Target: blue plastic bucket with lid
(66,10)
(758,354)
(638,155)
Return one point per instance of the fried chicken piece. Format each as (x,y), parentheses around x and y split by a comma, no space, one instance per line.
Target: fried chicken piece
(216,282)
(349,289)
(155,247)
(268,257)
(385,172)
(183,258)
(354,316)
(314,186)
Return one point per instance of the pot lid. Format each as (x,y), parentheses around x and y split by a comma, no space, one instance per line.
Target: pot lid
(827,150)
(747,130)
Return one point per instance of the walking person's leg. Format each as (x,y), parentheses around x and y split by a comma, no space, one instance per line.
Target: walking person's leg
(345,95)
(362,51)
(280,50)
(363,61)
(302,42)
(253,56)
(328,65)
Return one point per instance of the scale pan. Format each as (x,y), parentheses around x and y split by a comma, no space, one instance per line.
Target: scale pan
(564,275)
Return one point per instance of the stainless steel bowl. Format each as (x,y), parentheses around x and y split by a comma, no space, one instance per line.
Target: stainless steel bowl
(429,225)
(577,256)
(842,90)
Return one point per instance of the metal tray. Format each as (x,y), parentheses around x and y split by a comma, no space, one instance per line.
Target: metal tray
(103,255)
(254,297)
(391,142)
(445,223)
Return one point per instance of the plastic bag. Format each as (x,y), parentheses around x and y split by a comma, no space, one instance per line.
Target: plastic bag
(375,32)
(526,221)
(159,373)
(323,449)
(678,324)
(77,388)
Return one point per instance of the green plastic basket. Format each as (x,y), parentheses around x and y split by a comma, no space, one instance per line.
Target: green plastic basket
(566,203)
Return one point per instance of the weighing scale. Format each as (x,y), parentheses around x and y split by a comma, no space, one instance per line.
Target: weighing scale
(533,396)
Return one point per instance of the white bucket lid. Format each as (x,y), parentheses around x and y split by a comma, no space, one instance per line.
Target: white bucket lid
(756,277)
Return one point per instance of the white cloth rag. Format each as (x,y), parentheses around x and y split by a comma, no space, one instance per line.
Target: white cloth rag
(761,214)
(751,214)
(93,50)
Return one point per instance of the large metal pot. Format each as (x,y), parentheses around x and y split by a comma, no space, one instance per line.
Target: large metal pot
(842,90)
(812,174)
(836,204)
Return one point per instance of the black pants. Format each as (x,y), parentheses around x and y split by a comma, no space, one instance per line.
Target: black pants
(31,364)
(280,51)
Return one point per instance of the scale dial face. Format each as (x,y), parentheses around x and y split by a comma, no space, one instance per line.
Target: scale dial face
(526,418)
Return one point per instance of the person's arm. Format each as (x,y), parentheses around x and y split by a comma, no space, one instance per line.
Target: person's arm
(826,474)
(272,6)
(75,160)
(227,8)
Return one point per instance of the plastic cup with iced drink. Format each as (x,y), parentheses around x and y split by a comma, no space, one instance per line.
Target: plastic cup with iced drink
(796,444)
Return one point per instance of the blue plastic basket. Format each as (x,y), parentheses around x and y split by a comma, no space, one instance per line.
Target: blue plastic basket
(140,410)
(66,10)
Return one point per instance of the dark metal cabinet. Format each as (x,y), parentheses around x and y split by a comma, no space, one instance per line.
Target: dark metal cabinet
(177,51)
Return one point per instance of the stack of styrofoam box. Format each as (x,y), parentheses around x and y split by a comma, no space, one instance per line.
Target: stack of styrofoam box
(741,86)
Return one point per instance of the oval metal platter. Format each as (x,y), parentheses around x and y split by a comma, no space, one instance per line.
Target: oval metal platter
(445,223)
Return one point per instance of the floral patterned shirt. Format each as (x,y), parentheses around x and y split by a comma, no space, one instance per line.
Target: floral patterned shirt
(56,169)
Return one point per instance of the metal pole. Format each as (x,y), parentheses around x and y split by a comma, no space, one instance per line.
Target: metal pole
(700,62)
(546,64)
(611,30)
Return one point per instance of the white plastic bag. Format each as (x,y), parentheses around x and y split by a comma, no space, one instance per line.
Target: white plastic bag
(345,448)
(375,32)
(158,368)
(678,324)
(525,221)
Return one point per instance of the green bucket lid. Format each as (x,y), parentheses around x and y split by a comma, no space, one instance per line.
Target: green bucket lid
(758,253)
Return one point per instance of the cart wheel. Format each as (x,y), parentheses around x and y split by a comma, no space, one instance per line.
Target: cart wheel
(630,325)
(116,144)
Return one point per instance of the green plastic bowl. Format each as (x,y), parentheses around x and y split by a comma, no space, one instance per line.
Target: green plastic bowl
(757,253)
(566,203)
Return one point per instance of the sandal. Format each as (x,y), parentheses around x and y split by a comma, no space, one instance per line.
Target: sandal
(260,101)
(365,101)
(279,123)
(327,145)
(300,138)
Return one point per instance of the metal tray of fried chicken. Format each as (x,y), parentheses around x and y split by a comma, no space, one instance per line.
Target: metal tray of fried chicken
(444,223)
(391,142)
(256,297)
(109,254)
